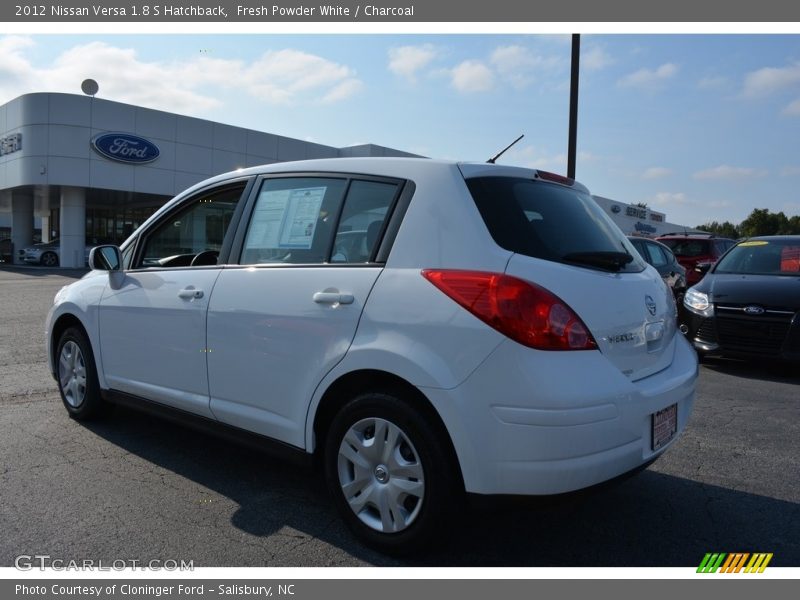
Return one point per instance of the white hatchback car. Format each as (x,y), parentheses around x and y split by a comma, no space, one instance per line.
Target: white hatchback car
(423,328)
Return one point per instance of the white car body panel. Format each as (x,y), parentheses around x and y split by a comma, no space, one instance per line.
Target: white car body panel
(270,343)
(613,305)
(153,342)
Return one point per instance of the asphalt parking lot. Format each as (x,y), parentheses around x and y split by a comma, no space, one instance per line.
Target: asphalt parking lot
(132,487)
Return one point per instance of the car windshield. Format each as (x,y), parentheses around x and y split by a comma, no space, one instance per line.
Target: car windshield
(762,257)
(688,248)
(552,222)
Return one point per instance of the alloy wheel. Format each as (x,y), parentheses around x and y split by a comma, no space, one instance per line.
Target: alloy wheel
(72,374)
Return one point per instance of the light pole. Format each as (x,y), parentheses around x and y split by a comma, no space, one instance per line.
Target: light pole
(573,105)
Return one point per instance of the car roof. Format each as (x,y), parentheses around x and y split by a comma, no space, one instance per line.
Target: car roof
(401,167)
(676,235)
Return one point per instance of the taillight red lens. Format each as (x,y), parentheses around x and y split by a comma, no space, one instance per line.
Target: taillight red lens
(523,311)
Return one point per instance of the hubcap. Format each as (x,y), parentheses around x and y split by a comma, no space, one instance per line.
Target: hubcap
(381,475)
(72,374)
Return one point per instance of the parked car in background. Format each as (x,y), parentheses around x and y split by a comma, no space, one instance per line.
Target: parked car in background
(421,328)
(695,249)
(48,254)
(664,261)
(749,302)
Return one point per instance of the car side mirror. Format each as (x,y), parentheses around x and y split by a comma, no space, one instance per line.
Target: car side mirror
(105,258)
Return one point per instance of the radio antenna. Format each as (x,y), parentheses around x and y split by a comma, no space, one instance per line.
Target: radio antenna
(503,151)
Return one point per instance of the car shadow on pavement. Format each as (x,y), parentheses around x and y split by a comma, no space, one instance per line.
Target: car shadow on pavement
(651,519)
(35,271)
(763,369)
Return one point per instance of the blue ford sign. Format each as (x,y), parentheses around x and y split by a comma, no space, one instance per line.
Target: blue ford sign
(125,147)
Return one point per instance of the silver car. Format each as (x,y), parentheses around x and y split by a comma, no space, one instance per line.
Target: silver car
(48,254)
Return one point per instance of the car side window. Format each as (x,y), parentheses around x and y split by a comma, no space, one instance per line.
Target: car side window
(293,220)
(362,221)
(194,235)
(657,256)
(308,220)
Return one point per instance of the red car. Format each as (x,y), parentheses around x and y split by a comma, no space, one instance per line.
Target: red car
(693,249)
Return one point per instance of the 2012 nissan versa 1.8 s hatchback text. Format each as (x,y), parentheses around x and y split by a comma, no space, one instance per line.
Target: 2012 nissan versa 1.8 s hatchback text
(424,328)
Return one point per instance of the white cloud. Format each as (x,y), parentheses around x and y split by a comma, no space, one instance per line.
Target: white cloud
(712,83)
(276,77)
(520,66)
(538,158)
(649,79)
(596,58)
(285,76)
(656,173)
(472,76)
(406,61)
(343,90)
(719,204)
(765,82)
(670,198)
(14,67)
(726,172)
(792,109)
(793,171)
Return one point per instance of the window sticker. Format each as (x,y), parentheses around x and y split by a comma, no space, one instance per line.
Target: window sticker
(790,259)
(754,243)
(286,219)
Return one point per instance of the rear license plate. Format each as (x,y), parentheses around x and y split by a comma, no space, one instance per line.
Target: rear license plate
(665,426)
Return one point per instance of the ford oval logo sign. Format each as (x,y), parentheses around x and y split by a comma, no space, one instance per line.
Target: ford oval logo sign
(125,147)
(754,310)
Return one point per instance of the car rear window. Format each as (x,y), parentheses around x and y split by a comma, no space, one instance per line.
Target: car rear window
(688,248)
(552,222)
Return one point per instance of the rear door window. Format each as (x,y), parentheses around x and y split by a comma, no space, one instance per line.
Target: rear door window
(552,222)
(318,220)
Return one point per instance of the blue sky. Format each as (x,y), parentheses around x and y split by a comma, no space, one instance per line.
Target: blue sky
(701,127)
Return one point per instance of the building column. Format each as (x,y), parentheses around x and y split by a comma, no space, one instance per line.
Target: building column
(21,221)
(45,228)
(73,227)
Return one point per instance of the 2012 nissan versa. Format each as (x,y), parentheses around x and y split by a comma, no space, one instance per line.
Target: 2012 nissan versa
(423,328)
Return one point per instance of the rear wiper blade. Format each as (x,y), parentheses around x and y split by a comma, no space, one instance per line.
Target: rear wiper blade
(608,261)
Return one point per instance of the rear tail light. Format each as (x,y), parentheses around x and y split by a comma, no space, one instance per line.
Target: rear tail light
(523,311)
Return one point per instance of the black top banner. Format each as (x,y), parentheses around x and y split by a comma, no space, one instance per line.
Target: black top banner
(401,11)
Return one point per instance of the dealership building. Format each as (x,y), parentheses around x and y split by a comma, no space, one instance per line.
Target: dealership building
(87,169)
(639,219)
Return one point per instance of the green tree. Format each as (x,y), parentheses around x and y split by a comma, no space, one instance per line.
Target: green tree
(763,222)
(726,229)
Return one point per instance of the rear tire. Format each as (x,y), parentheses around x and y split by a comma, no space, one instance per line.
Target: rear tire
(77,376)
(389,473)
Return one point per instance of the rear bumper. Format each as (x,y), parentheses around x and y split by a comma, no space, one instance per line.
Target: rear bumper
(559,422)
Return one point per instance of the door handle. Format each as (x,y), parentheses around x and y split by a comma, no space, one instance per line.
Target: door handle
(190,293)
(333,298)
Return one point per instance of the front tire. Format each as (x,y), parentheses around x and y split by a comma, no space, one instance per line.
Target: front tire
(77,375)
(49,259)
(389,473)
